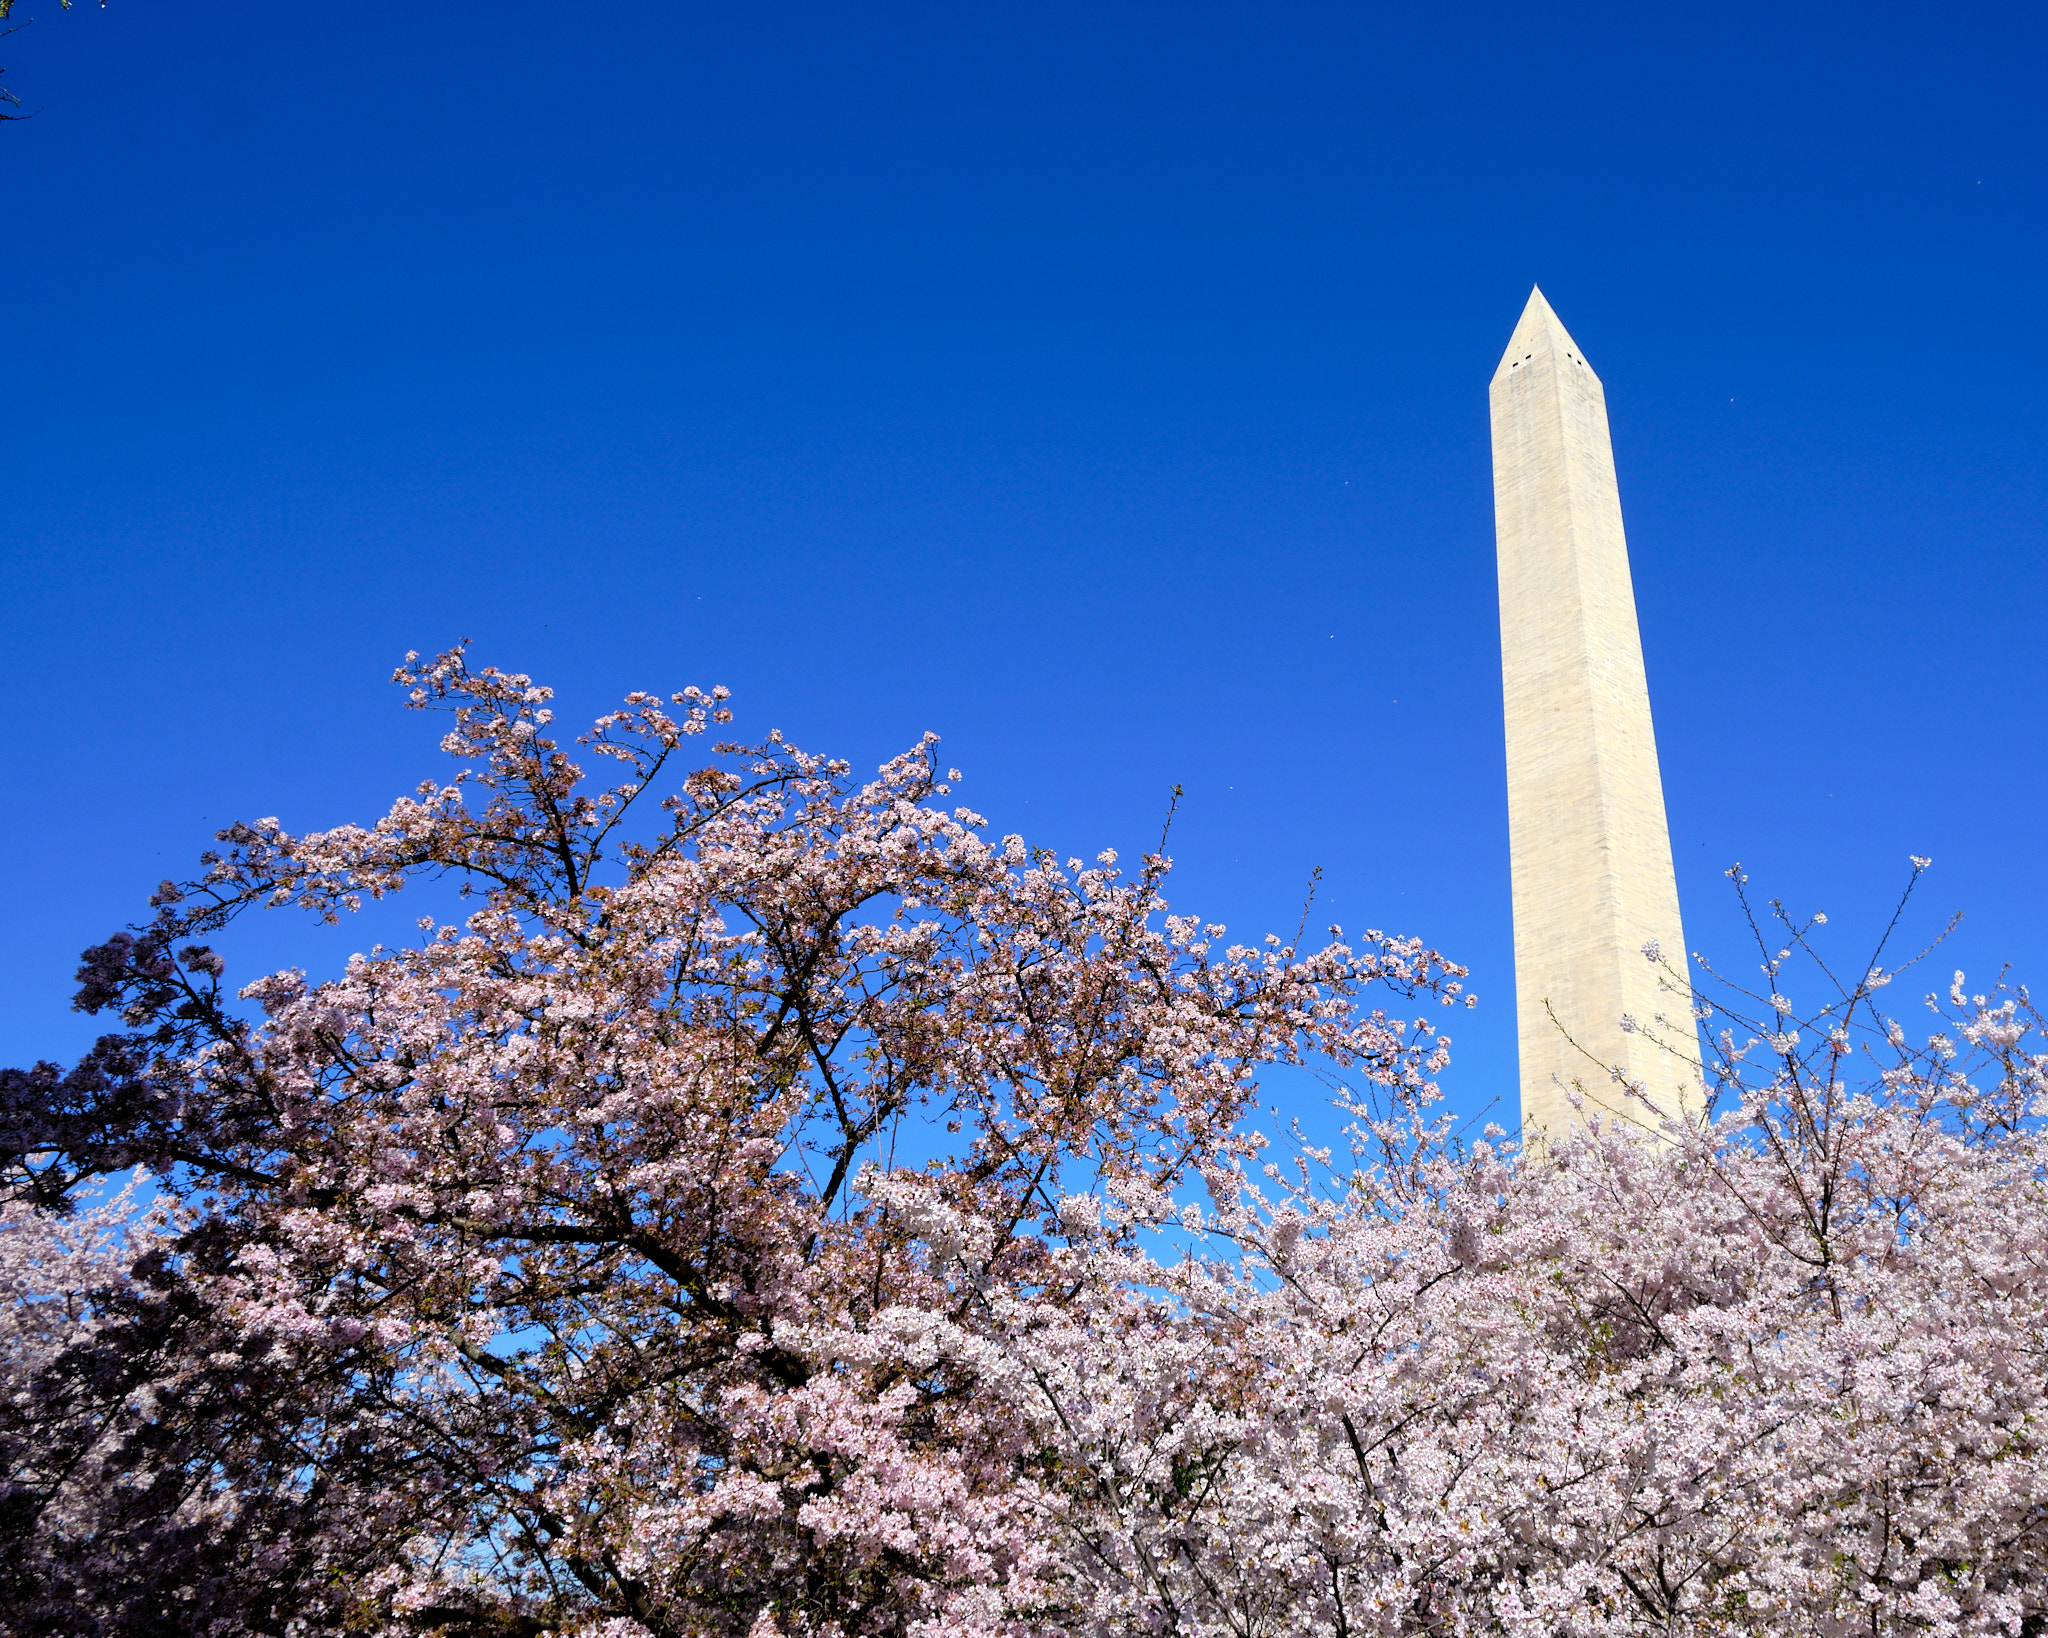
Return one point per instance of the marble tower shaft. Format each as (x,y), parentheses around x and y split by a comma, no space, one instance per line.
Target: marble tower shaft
(1588,843)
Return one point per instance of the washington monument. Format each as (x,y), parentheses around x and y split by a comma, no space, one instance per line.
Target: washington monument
(1587,839)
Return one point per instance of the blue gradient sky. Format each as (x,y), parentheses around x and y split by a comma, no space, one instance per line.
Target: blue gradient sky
(1102,387)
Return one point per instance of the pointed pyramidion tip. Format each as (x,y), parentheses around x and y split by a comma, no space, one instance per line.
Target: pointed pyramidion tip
(1540,337)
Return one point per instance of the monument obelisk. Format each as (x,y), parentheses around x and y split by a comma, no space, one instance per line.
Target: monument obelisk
(1588,843)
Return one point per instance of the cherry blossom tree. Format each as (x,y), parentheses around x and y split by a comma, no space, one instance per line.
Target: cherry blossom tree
(565,1244)
(771,1204)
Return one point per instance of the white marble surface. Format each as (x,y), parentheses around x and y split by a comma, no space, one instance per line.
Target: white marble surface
(1590,849)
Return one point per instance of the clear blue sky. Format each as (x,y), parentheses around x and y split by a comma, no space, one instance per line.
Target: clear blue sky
(1102,387)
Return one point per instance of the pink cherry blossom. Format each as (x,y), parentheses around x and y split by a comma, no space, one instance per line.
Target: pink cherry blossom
(753,1216)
